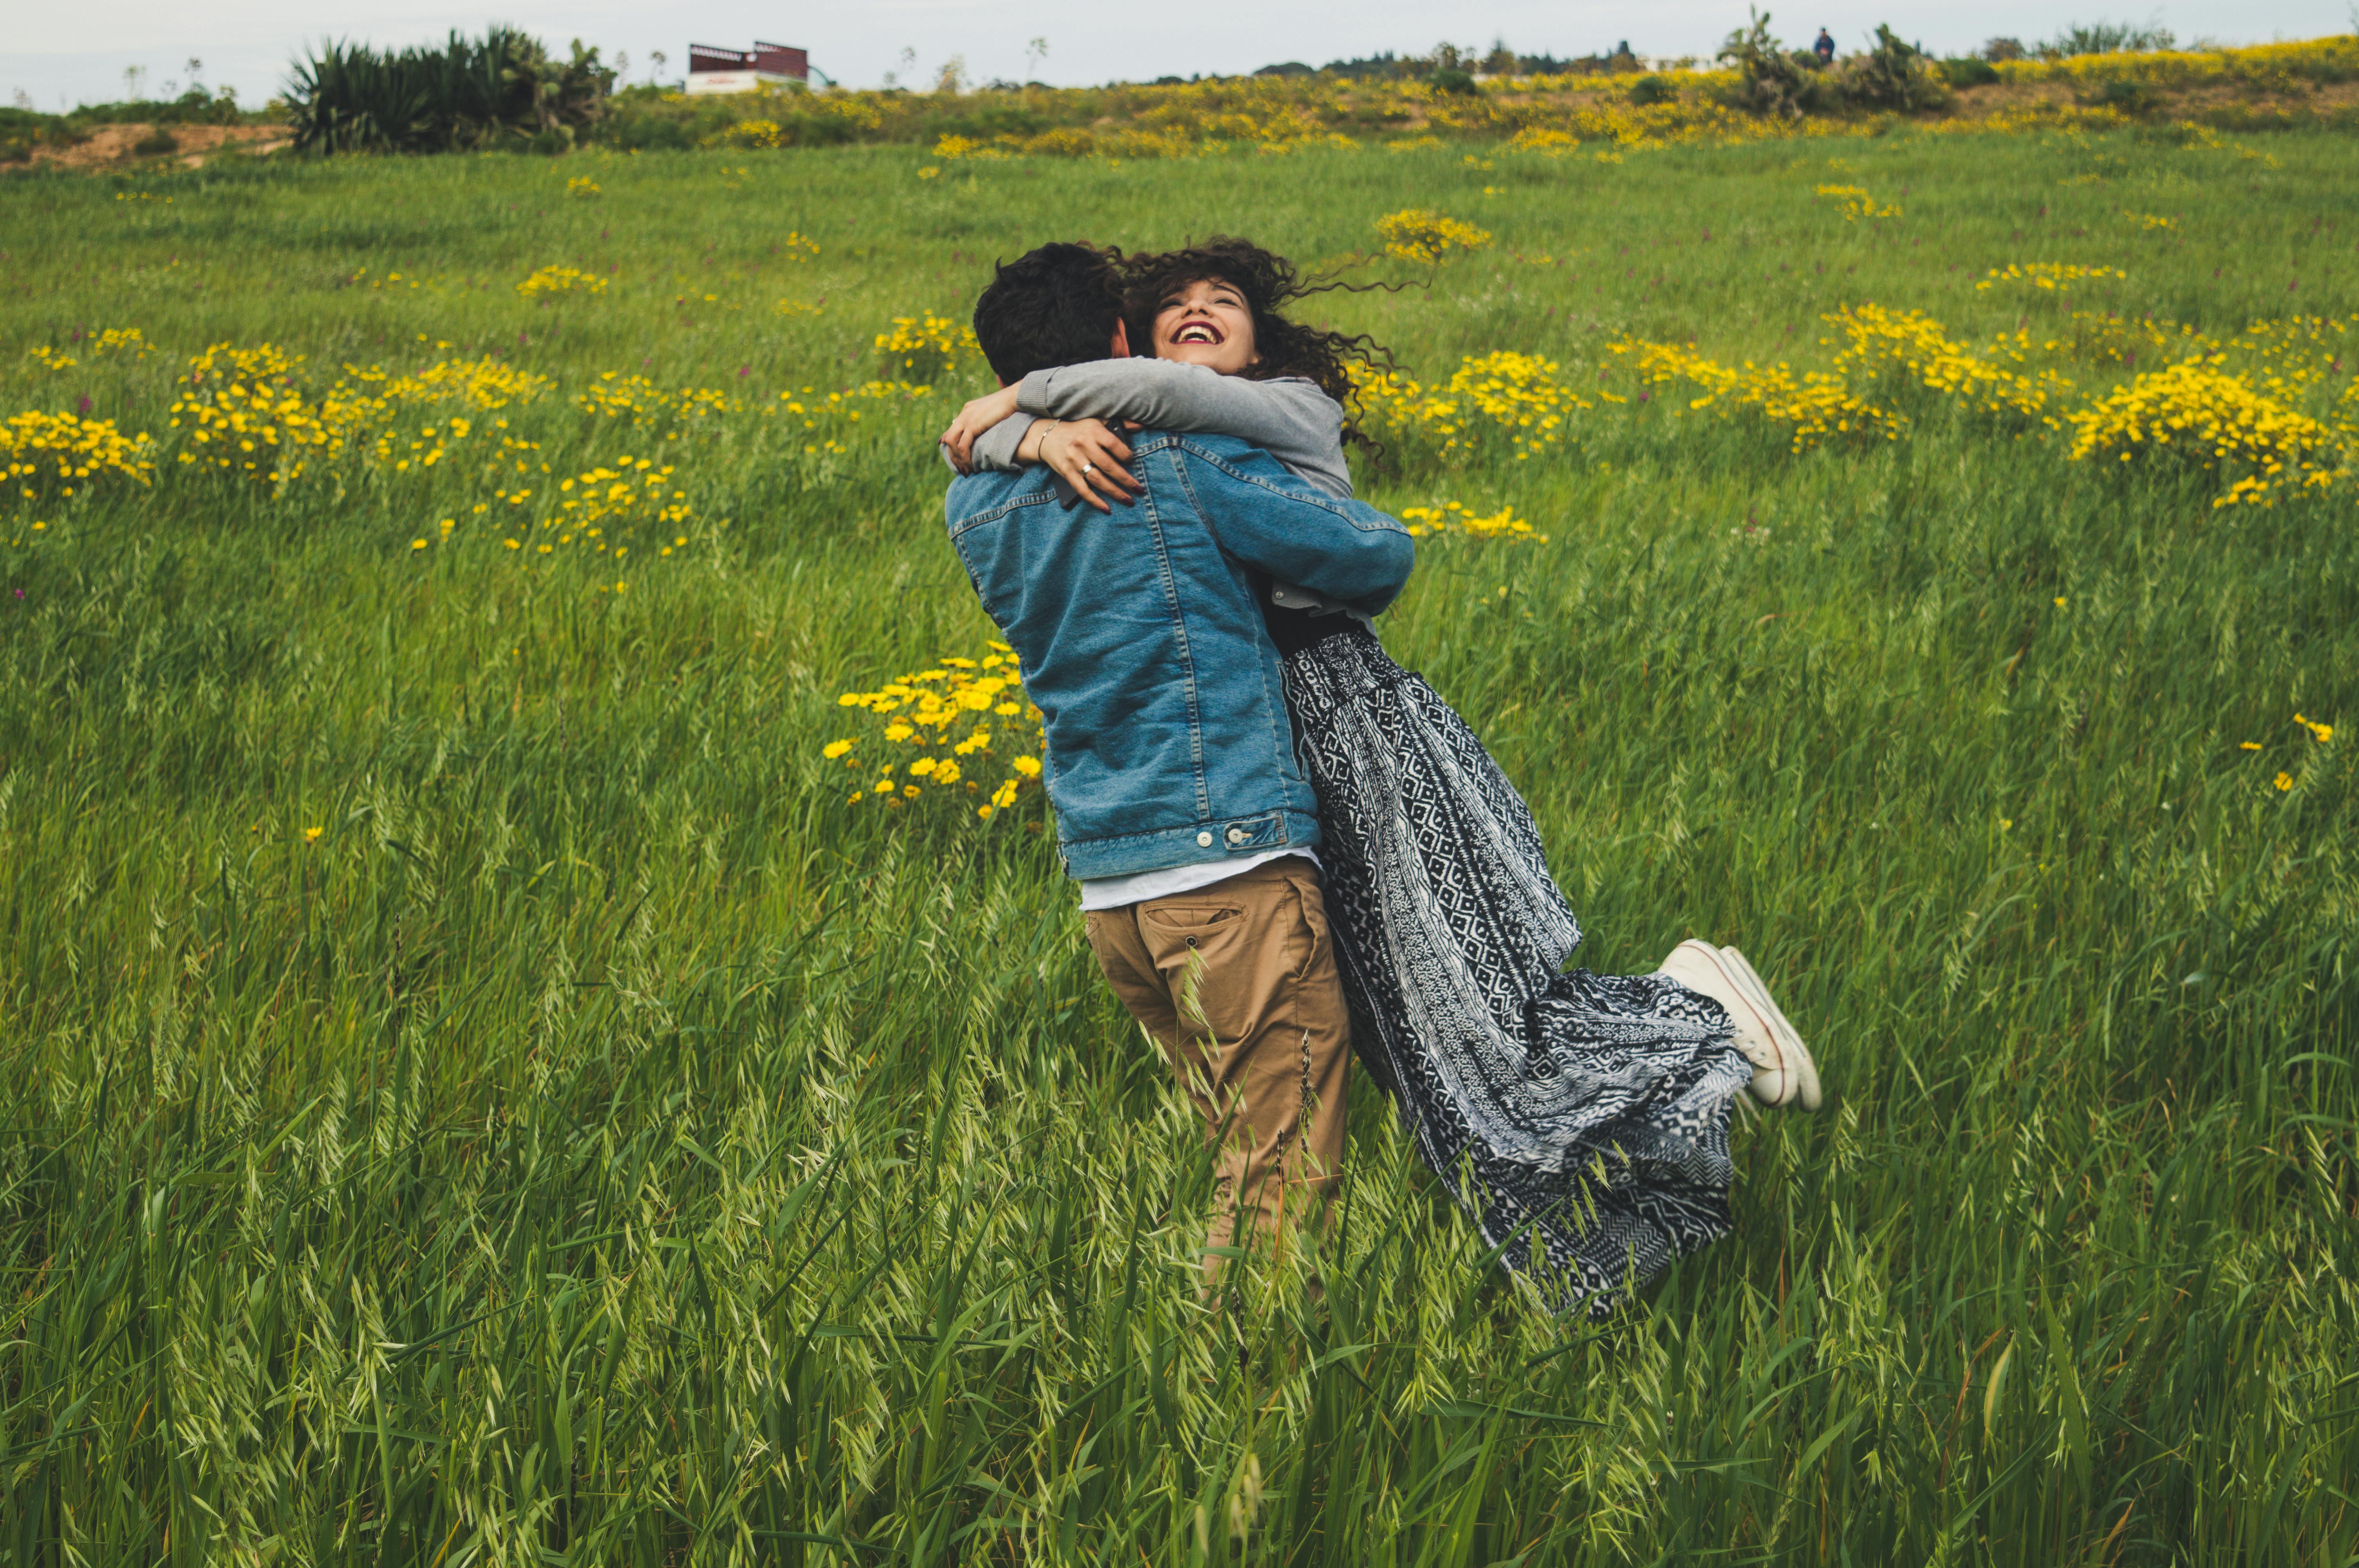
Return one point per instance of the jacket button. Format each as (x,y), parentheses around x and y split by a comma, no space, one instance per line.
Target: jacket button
(1236,835)
(1205,840)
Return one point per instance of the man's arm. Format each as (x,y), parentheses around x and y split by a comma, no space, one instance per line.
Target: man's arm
(1266,517)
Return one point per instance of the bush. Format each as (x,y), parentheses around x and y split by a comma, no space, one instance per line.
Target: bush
(2126,95)
(1652,89)
(1770,79)
(1456,81)
(505,89)
(156,143)
(2107,38)
(1969,72)
(1892,76)
(193,107)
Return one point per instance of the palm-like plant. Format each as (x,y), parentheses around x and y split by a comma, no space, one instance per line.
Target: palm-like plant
(466,94)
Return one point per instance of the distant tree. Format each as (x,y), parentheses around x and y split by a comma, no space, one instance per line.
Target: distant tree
(2003,49)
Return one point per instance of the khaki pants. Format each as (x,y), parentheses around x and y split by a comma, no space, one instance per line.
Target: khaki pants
(1236,982)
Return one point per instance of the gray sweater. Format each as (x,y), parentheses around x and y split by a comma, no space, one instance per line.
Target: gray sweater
(1290,418)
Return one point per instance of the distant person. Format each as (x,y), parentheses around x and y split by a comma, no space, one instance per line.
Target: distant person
(1825,48)
(1590,1112)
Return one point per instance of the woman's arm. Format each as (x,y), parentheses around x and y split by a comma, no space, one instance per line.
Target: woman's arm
(1291,420)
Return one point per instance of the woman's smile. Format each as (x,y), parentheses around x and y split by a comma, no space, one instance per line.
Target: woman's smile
(1207,323)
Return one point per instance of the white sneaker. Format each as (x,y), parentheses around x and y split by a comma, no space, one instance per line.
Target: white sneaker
(1783,1073)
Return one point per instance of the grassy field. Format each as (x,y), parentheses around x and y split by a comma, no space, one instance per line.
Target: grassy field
(478,1092)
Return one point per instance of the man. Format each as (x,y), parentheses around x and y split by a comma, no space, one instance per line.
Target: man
(1824,48)
(1180,808)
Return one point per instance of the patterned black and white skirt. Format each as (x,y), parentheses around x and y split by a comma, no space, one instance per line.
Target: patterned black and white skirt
(1581,1119)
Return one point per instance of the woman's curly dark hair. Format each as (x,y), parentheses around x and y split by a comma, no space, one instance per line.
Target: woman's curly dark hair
(1269,283)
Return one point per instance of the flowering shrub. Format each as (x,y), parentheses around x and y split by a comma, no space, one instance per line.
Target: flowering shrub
(247,414)
(1451,518)
(480,384)
(552,280)
(1814,405)
(961,732)
(1505,397)
(1857,202)
(69,450)
(923,349)
(1428,238)
(1914,343)
(597,511)
(2197,413)
(97,345)
(633,398)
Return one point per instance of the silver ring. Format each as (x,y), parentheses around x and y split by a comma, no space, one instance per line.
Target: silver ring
(1088,467)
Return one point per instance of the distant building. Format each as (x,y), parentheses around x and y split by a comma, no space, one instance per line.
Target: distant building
(711,69)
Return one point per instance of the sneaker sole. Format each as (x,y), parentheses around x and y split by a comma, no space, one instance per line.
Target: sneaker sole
(1737,996)
(1789,1040)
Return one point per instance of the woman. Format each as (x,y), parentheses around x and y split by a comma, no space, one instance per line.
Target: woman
(1583,1119)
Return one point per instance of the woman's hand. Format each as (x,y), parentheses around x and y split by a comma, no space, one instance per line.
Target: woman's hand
(973,420)
(1091,457)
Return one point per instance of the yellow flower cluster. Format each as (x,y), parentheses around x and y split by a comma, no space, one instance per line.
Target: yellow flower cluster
(796,248)
(2150,221)
(2321,733)
(583,185)
(484,384)
(552,280)
(1504,394)
(2056,278)
(2273,66)
(757,132)
(69,450)
(598,510)
(641,401)
(1451,518)
(1427,238)
(911,752)
(845,406)
(2202,414)
(247,414)
(98,345)
(920,349)
(1857,202)
(1813,404)
(1914,343)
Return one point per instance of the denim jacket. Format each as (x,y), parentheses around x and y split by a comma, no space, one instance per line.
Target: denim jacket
(1139,638)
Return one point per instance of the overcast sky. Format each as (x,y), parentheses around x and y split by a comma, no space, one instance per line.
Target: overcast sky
(53,55)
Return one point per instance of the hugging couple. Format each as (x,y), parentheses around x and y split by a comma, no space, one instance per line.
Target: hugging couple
(1287,844)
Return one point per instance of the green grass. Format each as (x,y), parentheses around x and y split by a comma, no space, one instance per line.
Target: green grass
(605,1145)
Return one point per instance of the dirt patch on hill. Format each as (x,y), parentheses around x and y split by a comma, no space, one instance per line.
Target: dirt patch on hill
(191,145)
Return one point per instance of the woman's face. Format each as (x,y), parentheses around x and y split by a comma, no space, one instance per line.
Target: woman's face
(1205,323)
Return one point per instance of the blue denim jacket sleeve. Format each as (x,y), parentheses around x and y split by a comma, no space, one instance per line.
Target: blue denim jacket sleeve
(1267,518)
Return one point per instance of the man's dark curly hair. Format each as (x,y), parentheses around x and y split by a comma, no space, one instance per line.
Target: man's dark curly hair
(1269,283)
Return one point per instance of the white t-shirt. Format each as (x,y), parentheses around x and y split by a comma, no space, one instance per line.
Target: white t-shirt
(1119,893)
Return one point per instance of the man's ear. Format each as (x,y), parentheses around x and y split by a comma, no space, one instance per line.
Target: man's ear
(1119,348)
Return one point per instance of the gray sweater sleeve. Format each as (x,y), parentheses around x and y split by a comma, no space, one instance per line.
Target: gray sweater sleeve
(995,450)
(1291,419)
